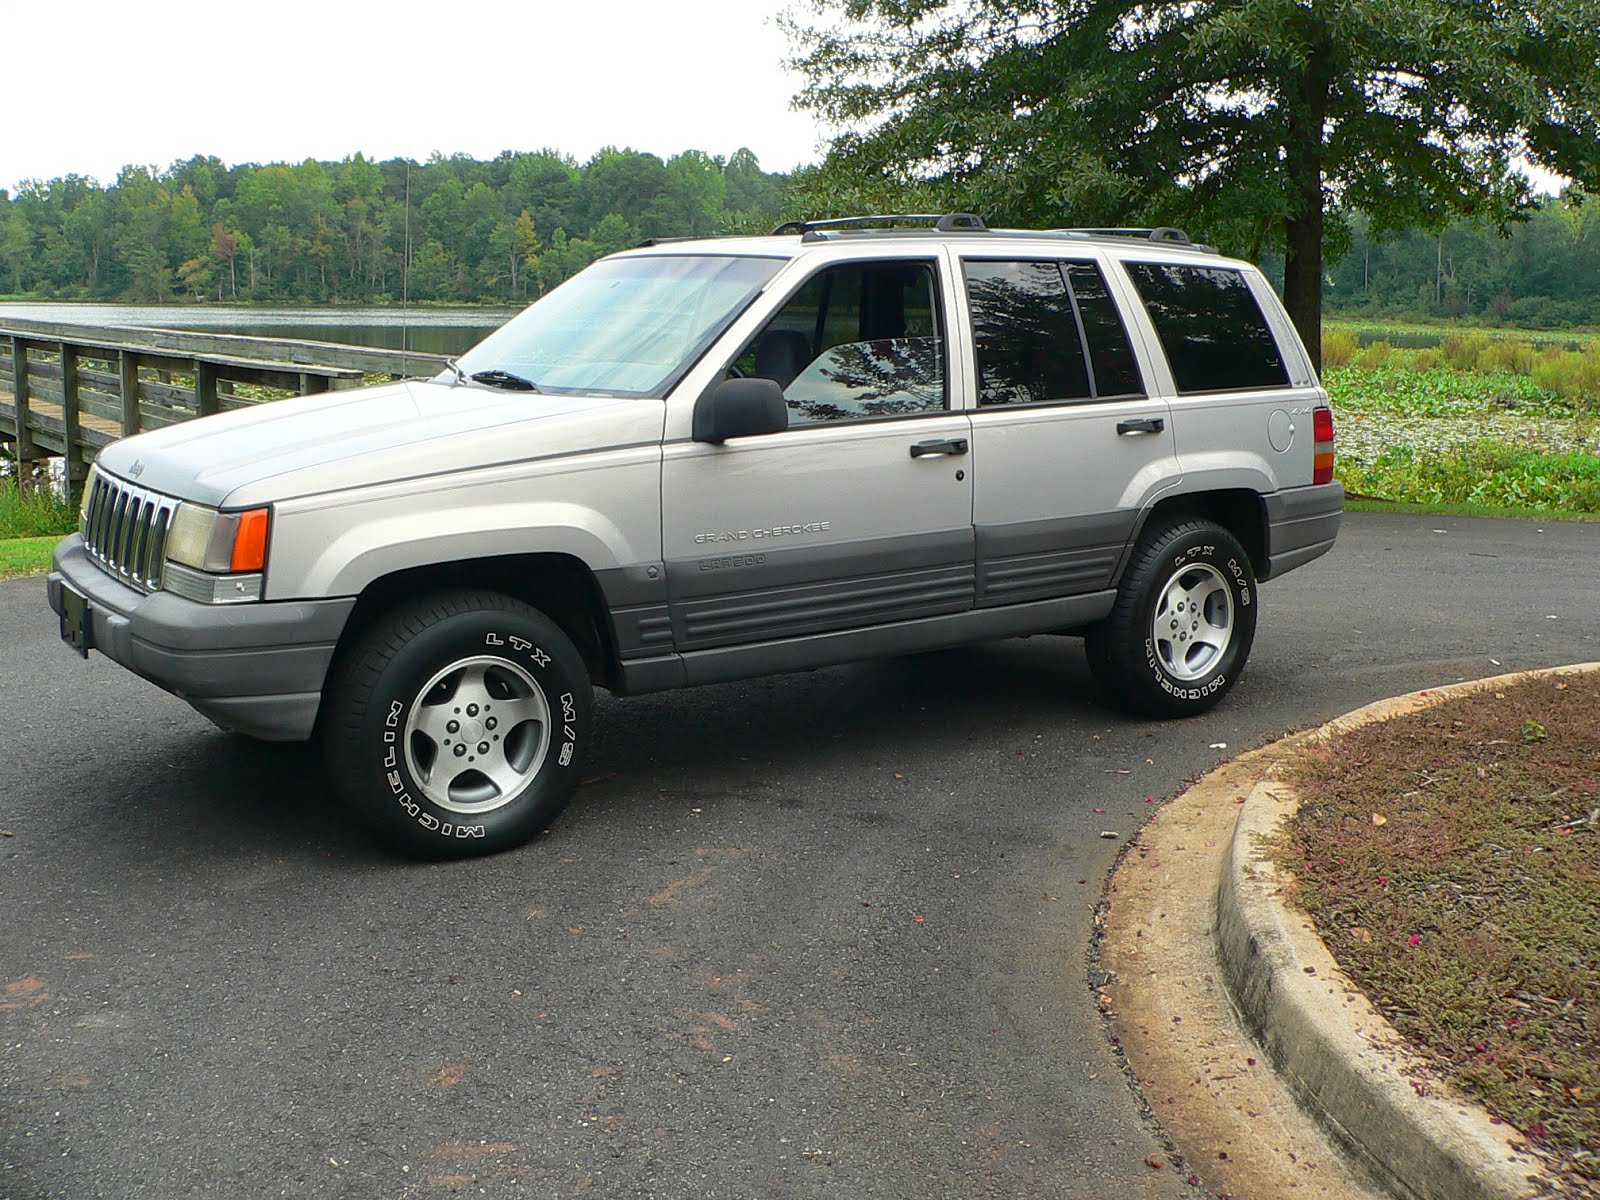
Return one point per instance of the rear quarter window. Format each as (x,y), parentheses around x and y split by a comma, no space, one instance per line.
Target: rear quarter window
(1215,336)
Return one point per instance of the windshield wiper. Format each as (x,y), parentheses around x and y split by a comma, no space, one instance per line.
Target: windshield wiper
(505,379)
(453,366)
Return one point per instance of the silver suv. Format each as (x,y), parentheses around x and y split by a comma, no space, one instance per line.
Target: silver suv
(707,460)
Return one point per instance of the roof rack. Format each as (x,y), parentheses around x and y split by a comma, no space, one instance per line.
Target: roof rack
(942,222)
(1157,233)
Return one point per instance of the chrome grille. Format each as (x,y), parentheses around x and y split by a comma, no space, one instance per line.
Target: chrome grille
(125,531)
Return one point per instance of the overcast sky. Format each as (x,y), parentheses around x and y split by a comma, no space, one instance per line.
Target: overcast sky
(92,85)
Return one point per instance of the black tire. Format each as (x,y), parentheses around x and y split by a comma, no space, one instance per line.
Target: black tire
(432,782)
(1188,661)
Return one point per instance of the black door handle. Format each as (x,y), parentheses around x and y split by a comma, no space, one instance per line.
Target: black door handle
(1144,425)
(944,446)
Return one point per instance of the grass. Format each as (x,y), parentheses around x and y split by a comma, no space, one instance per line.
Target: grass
(32,521)
(1451,861)
(34,512)
(26,556)
(1360,503)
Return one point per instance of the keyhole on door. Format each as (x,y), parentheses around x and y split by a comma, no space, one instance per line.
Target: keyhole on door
(960,475)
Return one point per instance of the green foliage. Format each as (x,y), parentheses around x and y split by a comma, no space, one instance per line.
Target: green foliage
(1374,383)
(1255,123)
(1479,435)
(1538,274)
(506,229)
(34,512)
(1465,374)
(1487,473)
(1570,373)
(1339,346)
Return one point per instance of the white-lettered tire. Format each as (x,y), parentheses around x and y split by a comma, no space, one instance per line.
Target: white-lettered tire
(457,724)
(1181,629)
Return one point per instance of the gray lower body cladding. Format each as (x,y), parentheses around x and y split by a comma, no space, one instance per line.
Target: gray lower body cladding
(1301,525)
(726,663)
(258,668)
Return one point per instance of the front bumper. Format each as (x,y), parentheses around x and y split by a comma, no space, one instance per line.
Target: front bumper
(257,668)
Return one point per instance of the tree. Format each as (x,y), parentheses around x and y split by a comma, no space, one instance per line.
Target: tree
(692,197)
(1256,123)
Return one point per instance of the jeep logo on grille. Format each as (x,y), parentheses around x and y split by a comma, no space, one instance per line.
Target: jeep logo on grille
(137,469)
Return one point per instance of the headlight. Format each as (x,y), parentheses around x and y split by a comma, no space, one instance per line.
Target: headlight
(209,540)
(88,490)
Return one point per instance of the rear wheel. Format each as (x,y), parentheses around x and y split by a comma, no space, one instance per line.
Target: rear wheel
(1183,623)
(457,725)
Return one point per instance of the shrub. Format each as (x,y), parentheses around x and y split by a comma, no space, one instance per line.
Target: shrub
(1462,353)
(1339,346)
(1507,354)
(1572,374)
(1374,355)
(33,512)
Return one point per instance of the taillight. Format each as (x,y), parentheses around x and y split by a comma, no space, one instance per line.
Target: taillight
(1322,448)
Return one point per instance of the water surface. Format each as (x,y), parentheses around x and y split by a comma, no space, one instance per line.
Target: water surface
(428,330)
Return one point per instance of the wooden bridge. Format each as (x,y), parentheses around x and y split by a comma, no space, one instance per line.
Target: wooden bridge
(67,391)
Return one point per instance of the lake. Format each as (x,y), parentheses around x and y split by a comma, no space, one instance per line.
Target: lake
(427,330)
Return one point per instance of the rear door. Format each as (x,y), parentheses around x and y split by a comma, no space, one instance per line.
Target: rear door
(1242,394)
(1068,444)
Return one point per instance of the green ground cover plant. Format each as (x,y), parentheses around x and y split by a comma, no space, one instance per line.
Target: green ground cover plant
(1451,861)
(1484,473)
(1482,420)
(34,511)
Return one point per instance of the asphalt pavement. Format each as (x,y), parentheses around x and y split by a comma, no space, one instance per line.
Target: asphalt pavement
(813,936)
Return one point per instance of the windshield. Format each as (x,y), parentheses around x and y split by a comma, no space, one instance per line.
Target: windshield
(625,326)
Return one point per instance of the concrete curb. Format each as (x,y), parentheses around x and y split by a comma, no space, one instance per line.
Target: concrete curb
(1340,1057)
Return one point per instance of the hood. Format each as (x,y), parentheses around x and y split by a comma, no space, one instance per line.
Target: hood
(334,440)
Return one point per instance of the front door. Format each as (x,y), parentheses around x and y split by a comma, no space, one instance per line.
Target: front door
(860,514)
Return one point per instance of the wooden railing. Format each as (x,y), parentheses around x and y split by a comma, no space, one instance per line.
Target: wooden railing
(70,390)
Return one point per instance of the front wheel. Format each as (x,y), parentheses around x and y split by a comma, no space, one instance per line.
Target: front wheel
(457,725)
(1181,629)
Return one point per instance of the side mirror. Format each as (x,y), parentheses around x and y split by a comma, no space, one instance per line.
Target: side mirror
(740,408)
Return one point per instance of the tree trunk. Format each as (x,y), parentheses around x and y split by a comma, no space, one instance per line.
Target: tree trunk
(1302,274)
(1303,154)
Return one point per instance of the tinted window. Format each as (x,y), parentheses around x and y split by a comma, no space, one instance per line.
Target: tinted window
(1025,334)
(1116,370)
(856,341)
(1210,326)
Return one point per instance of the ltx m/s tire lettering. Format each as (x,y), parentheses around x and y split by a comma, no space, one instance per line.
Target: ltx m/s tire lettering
(456,724)
(1181,629)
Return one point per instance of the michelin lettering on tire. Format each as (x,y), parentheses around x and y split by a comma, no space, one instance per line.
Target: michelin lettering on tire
(1136,651)
(455,705)
(514,648)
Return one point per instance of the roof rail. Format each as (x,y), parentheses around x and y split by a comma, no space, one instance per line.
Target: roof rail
(1157,233)
(943,222)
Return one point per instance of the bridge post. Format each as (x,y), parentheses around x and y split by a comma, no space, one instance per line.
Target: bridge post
(128,370)
(205,388)
(26,451)
(76,468)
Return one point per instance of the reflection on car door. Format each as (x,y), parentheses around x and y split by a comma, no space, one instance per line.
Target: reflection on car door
(860,514)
